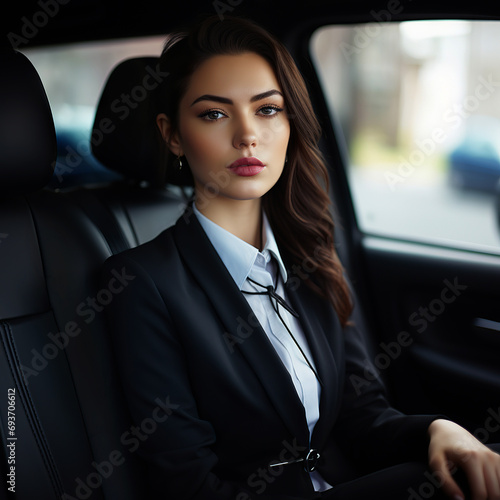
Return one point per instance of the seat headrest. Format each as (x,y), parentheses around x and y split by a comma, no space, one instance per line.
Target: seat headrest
(27,134)
(125,136)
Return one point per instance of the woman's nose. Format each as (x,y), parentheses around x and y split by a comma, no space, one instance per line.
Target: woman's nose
(245,135)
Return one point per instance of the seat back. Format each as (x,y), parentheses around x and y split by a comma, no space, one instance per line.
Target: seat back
(146,201)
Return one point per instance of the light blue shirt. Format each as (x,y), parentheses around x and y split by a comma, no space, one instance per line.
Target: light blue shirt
(243,261)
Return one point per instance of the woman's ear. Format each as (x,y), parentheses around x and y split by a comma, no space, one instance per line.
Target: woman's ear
(172,139)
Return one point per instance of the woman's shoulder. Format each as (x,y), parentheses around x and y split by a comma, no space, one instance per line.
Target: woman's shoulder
(151,256)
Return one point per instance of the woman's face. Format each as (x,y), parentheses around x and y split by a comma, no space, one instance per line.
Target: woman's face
(233,111)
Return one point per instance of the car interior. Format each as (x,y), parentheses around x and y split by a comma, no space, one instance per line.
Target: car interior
(428,301)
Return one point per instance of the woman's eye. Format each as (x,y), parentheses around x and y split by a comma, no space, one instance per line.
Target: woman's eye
(212,115)
(270,110)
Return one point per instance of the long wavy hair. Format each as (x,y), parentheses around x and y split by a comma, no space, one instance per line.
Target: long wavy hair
(298,206)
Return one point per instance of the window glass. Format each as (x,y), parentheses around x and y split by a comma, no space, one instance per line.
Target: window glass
(74,76)
(418,106)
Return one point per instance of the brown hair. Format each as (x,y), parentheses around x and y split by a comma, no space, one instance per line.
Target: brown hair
(298,206)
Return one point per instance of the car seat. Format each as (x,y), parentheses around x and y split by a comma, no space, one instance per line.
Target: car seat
(67,437)
(145,201)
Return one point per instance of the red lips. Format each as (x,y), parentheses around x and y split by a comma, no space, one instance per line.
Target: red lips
(246,167)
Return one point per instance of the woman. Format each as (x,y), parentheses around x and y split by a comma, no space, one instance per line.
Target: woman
(235,336)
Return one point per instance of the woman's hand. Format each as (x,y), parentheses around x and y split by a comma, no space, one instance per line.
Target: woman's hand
(451,446)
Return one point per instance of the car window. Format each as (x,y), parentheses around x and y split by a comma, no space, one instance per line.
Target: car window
(74,76)
(417,105)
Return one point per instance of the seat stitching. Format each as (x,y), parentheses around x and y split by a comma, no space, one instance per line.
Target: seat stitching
(29,407)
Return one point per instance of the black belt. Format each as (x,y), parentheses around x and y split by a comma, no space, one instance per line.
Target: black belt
(310,460)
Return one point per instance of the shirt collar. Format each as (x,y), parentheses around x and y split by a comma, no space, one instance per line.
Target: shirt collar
(237,255)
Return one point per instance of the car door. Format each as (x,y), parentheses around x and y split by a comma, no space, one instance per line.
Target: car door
(397,100)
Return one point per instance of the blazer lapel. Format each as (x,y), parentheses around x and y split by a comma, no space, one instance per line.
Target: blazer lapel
(306,303)
(231,306)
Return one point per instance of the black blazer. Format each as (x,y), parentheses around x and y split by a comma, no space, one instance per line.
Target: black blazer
(210,400)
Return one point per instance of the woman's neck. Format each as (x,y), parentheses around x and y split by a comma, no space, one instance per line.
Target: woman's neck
(243,218)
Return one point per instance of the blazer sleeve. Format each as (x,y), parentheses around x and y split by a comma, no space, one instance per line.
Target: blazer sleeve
(166,431)
(374,433)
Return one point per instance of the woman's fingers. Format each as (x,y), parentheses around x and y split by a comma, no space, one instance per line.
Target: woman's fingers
(482,468)
(474,470)
(443,468)
(492,480)
(451,446)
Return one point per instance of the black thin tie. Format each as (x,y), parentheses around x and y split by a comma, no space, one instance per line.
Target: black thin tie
(270,291)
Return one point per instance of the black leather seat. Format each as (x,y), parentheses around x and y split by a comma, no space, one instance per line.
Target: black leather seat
(70,427)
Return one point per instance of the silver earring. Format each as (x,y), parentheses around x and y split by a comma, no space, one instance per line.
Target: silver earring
(179,163)
(286,158)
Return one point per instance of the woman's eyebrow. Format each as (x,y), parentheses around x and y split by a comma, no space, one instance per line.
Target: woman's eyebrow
(209,97)
(225,100)
(265,95)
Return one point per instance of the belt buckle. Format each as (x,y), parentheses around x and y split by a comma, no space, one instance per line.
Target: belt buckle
(311,460)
